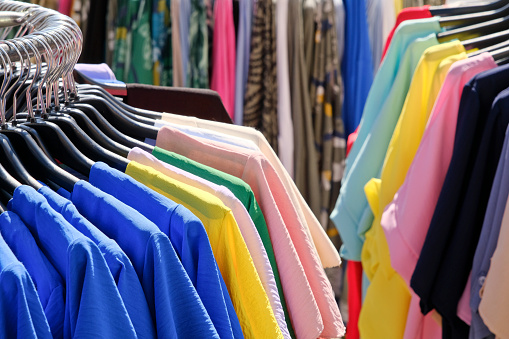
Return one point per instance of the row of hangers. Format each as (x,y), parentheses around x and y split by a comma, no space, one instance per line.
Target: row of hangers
(482,27)
(43,120)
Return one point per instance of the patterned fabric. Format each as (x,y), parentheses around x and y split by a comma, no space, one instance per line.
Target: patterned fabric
(260,103)
(121,55)
(328,126)
(198,65)
(161,43)
(133,42)
(306,164)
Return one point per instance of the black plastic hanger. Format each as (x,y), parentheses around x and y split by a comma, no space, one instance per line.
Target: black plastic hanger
(99,91)
(32,157)
(35,160)
(104,125)
(7,184)
(486,40)
(474,17)
(9,159)
(93,131)
(126,122)
(483,7)
(477,30)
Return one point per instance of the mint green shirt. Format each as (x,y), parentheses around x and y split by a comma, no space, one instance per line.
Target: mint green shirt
(352,215)
(243,192)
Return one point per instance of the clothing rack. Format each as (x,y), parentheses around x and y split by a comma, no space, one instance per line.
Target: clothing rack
(36,22)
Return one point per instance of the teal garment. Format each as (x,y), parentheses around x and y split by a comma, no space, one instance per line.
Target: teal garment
(121,55)
(132,57)
(141,68)
(198,63)
(406,33)
(352,215)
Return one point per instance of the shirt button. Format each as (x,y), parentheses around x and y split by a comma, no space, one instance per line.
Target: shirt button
(481,280)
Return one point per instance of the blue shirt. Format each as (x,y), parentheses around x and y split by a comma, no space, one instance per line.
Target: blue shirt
(21,313)
(48,283)
(93,307)
(488,239)
(187,235)
(120,266)
(171,296)
(357,65)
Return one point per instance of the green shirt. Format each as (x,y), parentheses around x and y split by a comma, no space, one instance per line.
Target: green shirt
(243,192)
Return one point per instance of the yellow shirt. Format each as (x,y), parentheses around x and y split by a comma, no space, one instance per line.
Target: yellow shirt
(249,299)
(385,309)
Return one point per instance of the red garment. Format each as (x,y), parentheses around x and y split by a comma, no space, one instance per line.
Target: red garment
(351,139)
(409,13)
(354,280)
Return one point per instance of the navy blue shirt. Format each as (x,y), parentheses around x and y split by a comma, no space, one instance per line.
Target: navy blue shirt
(21,313)
(47,281)
(171,296)
(446,258)
(93,306)
(120,266)
(187,235)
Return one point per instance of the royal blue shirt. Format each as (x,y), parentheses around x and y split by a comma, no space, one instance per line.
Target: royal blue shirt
(93,306)
(170,294)
(47,281)
(187,235)
(446,258)
(120,266)
(21,313)
(357,65)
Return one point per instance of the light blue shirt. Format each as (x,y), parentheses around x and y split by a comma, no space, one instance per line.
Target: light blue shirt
(243,51)
(406,33)
(352,215)
(375,23)
(340,27)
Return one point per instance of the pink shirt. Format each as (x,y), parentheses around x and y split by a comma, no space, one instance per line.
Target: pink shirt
(224,55)
(328,253)
(407,218)
(247,228)
(310,300)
